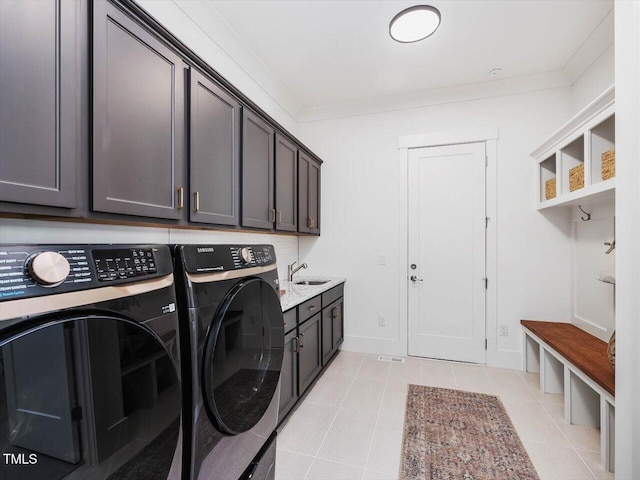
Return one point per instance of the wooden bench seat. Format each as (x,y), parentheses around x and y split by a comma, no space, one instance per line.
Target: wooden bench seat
(585,351)
(573,363)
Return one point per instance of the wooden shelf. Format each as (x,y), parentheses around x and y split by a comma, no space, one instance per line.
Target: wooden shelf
(581,141)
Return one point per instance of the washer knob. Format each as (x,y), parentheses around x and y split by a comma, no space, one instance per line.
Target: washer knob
(48,268)
(245,255)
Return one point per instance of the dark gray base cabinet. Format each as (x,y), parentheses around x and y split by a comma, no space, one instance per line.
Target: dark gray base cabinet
(138,119)
(289,374)
(310,357)
(332,329)
(40,107)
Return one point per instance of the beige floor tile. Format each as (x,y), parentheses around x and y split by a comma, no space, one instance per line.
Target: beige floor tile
(349,438)
(386,446)
(372,475)
(306,429)
(437,374)
(346,363)
(509,385)
(409,372)
(395,399)
(580,437)
(327,470)
(331,389)
(592,459)
(291,465)
(555,463)
(533,424)
(374,369)
(533,382)
(365,395)
(472,378)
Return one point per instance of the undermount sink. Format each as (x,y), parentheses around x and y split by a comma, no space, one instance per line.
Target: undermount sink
(312,282)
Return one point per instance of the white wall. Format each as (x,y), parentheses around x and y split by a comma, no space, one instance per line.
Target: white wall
(362,191)
(627,52)
(595,80)
(44,232)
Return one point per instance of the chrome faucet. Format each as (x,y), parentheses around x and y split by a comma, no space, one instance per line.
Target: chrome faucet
(292,271)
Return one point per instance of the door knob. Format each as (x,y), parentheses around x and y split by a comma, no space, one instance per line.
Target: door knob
(415,279)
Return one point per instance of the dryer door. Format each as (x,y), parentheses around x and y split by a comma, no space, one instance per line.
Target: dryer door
(243,356)
(92,397)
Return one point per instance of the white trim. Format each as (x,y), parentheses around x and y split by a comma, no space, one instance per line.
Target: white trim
(437,139)
(494,357)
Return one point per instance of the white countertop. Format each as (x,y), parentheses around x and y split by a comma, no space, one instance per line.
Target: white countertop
(297,294)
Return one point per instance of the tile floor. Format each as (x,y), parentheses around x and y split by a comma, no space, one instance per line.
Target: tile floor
(350,425)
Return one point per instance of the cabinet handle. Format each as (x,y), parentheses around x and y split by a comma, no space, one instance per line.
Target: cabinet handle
(309,224)
(300,341)
(334,312)
(312,308)
(196,201)
(279,216)
(180,198)
(296,345)
(272,215)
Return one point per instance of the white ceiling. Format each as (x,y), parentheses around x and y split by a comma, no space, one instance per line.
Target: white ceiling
(326,52)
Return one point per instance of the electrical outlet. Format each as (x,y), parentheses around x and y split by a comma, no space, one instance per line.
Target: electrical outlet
(381,321)
(382,260)
(504,330)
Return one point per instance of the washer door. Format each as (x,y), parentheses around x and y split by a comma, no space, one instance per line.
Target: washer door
(243,356)
(92,397)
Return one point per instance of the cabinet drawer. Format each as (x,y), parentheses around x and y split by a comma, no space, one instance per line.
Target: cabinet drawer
(290,319)
(332,295)
(309,308)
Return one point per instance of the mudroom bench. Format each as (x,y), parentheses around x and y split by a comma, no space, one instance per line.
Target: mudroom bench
(574,363)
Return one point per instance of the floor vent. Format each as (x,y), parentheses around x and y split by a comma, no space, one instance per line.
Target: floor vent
(384,358)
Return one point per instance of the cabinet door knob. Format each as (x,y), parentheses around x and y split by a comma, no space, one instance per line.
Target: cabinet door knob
(180,198)
(196,201)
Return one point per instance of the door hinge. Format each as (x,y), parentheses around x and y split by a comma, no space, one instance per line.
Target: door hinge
(486,222)
(486,344)
(486,160)
(486,283)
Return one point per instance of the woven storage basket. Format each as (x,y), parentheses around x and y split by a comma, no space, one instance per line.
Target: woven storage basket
(576,178)
(550,189)
(609,164)
(611,351)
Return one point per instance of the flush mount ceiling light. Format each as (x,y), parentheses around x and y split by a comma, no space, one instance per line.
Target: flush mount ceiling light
(414,24)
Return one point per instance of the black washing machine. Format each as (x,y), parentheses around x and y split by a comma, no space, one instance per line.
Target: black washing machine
(89,363)
(229,298)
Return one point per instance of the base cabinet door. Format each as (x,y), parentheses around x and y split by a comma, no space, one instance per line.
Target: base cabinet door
(310,356)
(327,335)
(138,119)
(40,85)
(337,317)
(289,374)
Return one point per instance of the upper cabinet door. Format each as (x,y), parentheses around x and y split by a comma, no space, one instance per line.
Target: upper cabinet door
(138,119)
(286,185)
(215,153)
(40,92)
(314,197)
(308,194)
(257,172)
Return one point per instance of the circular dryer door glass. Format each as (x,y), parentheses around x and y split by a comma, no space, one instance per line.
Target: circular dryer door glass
(89,398)
(243,356)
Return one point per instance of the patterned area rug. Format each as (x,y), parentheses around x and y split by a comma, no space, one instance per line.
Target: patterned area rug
(455,435)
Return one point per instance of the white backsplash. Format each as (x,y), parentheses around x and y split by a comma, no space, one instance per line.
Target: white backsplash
(40,231)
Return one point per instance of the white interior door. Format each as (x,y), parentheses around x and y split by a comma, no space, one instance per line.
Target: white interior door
(447,252)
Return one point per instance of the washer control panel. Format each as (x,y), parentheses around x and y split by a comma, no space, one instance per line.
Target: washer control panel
(220,258)
(37,270)
(124,263)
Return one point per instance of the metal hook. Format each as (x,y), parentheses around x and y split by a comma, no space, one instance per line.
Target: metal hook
(587,214)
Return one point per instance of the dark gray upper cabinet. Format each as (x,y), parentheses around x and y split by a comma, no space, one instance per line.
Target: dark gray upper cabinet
(257,172)
(40,101)
(214,153)
(286,185)
(138,119)
(308,194)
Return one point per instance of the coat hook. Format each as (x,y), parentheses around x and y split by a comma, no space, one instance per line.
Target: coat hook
(587,214)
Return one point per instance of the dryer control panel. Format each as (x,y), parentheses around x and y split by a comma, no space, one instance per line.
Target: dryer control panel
(37,270)
(220,258)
